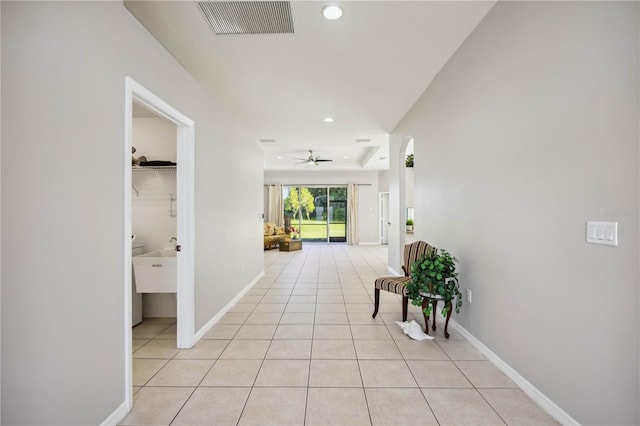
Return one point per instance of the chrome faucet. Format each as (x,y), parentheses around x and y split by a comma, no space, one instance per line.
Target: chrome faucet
(173,239)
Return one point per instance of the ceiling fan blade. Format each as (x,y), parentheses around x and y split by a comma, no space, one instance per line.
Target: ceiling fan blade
(302,159)
(302,162)
(318,159)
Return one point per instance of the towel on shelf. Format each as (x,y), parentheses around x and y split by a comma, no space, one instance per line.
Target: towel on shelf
(413,330)
(157,163)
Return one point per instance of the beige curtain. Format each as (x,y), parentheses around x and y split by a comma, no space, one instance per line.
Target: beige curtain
(276,213)
(352,202)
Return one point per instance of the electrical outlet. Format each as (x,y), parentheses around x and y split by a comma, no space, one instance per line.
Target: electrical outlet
(469,295)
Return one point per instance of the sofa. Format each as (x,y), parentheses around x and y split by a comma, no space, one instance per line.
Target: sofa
(273,235)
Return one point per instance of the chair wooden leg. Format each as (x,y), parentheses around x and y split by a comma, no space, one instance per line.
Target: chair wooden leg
(405,303)
(426,318)
(376,302)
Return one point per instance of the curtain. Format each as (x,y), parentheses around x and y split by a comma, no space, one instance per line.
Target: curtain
(276,213)
(352,201)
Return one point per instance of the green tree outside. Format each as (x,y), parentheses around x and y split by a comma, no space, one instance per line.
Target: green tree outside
(296,202)
(306,202)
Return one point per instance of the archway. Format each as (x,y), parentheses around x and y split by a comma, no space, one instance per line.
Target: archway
(397,200)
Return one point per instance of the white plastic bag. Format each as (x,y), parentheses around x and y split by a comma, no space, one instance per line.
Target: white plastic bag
(413,330)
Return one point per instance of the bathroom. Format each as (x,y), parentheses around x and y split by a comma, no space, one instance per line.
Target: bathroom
(153,212)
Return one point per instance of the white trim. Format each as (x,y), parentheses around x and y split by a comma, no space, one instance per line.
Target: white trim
(213,321)
(534,393)
(128,333)
(390,269)
(185,221)
(381,217)
(185,180)
(117,416)
(370,243)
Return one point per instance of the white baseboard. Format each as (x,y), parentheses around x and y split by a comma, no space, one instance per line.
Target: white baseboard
(390,269)
(117,416)
(224,310)
(534,393)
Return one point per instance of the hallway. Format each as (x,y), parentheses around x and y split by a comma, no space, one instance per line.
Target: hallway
(301,348)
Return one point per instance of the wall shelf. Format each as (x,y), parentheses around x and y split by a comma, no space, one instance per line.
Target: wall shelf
(136,168)
(156,168)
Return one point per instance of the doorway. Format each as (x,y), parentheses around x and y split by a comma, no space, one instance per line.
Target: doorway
(184,210)
(153,218)
(383,228)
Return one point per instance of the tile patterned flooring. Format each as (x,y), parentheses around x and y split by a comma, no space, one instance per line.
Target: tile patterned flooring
(301,348)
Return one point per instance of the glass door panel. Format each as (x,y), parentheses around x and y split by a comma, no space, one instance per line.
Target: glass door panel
(313,213)
(337,214)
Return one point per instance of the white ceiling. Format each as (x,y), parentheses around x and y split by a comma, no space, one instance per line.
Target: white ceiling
(365,70)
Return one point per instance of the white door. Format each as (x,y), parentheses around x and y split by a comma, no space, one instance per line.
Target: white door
(384,217)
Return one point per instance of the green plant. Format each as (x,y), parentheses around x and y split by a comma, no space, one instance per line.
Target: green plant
(435,273)
(409,161)
(409,222)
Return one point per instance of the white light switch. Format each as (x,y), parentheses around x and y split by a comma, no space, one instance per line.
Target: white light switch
(602,233)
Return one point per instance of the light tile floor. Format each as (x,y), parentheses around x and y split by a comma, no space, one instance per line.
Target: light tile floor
(301,348)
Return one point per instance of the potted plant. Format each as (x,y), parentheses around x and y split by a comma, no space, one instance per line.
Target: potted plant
(409,161)
(435,274)
(409,224)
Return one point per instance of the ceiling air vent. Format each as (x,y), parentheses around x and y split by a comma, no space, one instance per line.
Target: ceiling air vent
(248,17)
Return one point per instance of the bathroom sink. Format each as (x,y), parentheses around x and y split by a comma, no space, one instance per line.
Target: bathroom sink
(160,253)
(156,272)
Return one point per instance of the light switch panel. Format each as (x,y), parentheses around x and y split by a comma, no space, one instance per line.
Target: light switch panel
(602,233)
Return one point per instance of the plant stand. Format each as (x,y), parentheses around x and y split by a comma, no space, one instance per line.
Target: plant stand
(434,299)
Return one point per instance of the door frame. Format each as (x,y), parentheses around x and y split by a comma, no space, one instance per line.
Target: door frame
(185,180)
(381,218)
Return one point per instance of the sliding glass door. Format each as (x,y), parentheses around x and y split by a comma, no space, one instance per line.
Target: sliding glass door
(337,218)
(317,212)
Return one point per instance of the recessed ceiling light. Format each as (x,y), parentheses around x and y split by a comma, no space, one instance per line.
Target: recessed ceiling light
(328,120)
(279,157)
(332,12)
(346,157)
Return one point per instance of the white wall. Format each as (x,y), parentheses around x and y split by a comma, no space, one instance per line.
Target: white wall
(383,181)
(409,178)
(367,200)
(529,131)
(63,166)
(152,222)
(265,203)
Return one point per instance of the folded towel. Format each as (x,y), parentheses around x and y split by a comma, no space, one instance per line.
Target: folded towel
(413,330)
(157,163)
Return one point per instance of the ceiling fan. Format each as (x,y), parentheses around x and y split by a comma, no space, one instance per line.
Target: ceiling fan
(312,160)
